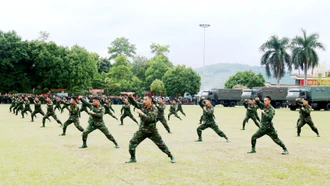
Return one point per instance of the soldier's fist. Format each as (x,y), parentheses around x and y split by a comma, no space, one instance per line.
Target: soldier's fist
(257,99)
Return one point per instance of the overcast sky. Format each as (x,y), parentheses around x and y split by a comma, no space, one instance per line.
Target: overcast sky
(238,27)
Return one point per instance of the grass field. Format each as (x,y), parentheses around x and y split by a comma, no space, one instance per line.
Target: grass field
(31,155)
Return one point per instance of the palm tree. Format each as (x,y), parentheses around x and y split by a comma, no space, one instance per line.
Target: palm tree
(275,57)
(303,52)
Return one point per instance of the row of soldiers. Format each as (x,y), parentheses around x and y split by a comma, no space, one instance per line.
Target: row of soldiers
(151,111)
(147,109)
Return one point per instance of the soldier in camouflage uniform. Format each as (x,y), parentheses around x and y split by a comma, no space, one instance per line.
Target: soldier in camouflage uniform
(161,116)
(66,104)
(26,107)
(108,108)
(251,110)
(95,121)
(13,100)
(127,112)
(173,110)
(200,103)
(148,114)
(180,107)
(37,109)
(208,116)
(20,104)
(50,112)
(57,101)
(83,108)
(305,116)
(74,116)
(266,125)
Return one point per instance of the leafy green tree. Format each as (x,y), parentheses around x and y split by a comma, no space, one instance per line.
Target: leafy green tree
(121,46)
(304,55)
(103,65)
(275,58)
(181,79)
(155,71)
(139,67)
(245,78)
(158,49)
(157,86)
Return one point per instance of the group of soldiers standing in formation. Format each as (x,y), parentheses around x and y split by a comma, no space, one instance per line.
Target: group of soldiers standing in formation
(150,112)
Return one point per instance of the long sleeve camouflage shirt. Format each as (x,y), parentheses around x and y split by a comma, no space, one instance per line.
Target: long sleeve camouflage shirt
(147,122)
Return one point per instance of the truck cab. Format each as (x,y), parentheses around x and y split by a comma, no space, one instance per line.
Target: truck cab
(209,94)
(293,94)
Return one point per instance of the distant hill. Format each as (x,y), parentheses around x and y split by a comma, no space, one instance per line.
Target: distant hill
(216,75)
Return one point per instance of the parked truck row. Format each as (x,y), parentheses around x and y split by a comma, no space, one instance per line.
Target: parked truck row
(282,97)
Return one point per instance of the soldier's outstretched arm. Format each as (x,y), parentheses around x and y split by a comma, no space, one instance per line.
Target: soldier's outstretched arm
(134,102)
(260,104)
(89,105)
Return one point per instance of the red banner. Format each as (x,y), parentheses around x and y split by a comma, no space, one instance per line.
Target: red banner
(96,90)
(315,82)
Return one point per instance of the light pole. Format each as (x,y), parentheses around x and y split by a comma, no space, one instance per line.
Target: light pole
(204,26)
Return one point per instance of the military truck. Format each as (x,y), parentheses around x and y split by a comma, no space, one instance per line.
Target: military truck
(225,97)
(278,95)
(317,96)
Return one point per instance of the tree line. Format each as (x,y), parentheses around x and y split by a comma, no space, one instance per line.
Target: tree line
(39,65)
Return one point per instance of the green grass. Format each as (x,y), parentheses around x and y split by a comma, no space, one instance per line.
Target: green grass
(30,155)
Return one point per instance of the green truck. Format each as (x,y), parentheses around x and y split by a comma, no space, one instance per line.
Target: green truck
(225,97)
(317,96)
(278,95)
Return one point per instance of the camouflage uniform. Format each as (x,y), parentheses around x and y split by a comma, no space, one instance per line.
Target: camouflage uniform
(26,108)
(108,108)
(266,127)
(83,108)
(66,105)
(57,105)
(305,118)
(37,109)
(127,112)
(50,112)
(74,118)
(180,108)
(20,104)
(95,121)
(208,117)
(251,110)
(147,129)
(161,116)
(13,100)
(173,111)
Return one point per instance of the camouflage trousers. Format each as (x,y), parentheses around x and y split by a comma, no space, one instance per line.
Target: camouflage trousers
(181,112)
(154,136)
(270,131)
(48,114)
(164,122)
(212,126)
(35,112)
(175,114)
(302,121)
(64,107)
(18,109)
(25,110)
(58,107)
(11,106)
(76,123)
(250,116)
(90,128)
(110,113)
(127,115)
